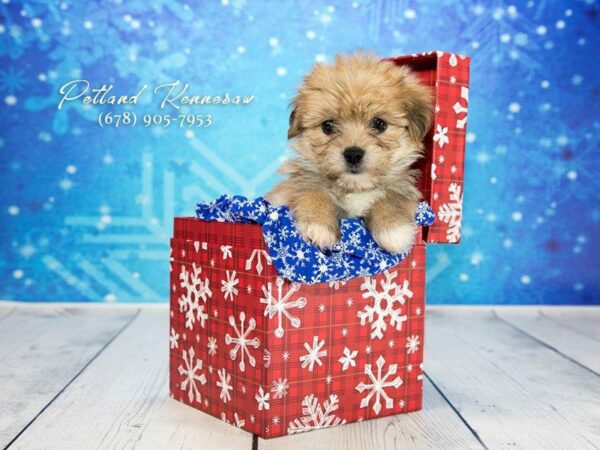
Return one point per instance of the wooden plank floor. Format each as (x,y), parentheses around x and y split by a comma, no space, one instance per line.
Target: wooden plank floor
(95,376)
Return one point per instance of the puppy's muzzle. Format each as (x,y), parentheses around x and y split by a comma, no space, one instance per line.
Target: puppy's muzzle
(353,156)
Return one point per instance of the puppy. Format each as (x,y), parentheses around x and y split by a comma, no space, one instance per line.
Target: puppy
(357,127)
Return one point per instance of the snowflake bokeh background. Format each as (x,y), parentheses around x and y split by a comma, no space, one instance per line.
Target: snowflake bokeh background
(86,213)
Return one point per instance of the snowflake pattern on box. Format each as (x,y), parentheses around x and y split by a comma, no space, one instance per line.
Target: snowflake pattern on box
(316,416)
(262,399)
(304,370)
(193,378)
(379,384)
(314,354)
(451,213)
(242,343)
(197,292)
(279,388)
(224,384)
(229,286)
(387,304)
(279,303)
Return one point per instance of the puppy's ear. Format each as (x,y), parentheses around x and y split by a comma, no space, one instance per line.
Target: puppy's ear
(419,106)
(294,129)
(417,100)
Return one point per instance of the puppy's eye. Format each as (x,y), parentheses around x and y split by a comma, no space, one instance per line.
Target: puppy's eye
(328,126)
(379,124)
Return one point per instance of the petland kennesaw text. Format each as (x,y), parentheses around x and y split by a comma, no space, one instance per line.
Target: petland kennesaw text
(173,93)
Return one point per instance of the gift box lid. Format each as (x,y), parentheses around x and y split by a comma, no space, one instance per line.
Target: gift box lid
(442,169)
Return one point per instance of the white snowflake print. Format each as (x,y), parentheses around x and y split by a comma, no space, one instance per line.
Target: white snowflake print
(314,354)
(192,374)
(315,415)
(174,339)
(237,421)
(212,346)
(279,388)
(347,359)
(459,109)
(266,358)
(420,376)
(223,383)
(228,286)
(242,341)
(441,135)
(226,250)
(196,289)
(452,60)
(262,398)
(337,284)
(378,385)
(412,344)
(451,213)
(258,255)
(281,304)
(386,304)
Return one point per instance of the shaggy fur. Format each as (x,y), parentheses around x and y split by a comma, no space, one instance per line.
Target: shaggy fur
(322,186)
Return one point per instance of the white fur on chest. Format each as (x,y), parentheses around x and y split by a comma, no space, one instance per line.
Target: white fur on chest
(357,204)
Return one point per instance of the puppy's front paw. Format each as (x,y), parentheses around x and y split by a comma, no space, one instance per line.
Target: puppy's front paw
(320,234)
(396,238)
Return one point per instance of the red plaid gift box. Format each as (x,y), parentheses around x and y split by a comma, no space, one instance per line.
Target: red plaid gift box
(274,357)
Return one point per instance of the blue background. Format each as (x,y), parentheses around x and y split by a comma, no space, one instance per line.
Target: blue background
(85,212)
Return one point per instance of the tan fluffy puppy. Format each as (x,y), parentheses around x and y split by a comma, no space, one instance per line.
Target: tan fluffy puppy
(357,127)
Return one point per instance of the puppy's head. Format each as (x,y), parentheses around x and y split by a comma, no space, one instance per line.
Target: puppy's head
(360,120)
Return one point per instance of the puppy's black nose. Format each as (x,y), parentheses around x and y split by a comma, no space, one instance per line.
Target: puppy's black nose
(353,155)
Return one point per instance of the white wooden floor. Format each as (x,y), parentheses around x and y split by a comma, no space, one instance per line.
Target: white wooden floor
(95,376)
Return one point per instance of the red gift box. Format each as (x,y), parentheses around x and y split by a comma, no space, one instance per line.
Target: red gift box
(275,357)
